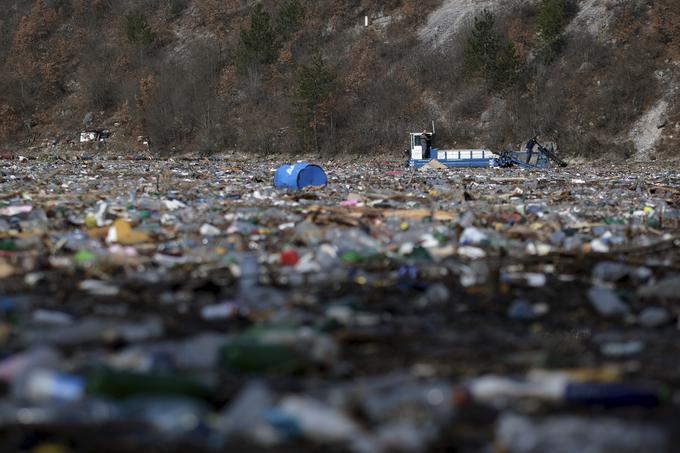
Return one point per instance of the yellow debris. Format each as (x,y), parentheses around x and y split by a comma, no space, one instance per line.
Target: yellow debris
(122,233)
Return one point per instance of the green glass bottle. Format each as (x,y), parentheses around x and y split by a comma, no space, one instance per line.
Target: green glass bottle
(266,350)
(122,384)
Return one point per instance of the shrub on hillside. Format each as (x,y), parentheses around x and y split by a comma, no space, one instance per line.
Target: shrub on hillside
(101,87)
(381,112)
(215,139)
(138,30)
(9,121)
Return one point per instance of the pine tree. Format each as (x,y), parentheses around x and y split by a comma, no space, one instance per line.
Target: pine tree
(313,87)
(482,46)
(506,68)
(553,18)
(258,43)
(491,55)
(290,19)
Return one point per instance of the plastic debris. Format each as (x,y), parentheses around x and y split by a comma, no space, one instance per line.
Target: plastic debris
(188,304)
(654,316)
(606,302)
(564,434)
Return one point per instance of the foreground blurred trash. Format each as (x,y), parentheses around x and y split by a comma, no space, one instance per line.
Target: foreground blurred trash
(568,434)
(280,349)
(42,385)
(189,305)
(561,388)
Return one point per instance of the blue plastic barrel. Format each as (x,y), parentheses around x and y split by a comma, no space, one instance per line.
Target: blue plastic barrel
(297,176)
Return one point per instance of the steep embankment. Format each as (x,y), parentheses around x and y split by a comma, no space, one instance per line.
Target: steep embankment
(598,76)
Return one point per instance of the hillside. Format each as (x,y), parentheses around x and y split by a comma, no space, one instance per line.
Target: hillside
(600,77)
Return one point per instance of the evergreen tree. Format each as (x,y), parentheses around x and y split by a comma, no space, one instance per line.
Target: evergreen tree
(553,18)
(313,87)
(506,70)
(290,19)
(482,45)
(258,43)
(491,55)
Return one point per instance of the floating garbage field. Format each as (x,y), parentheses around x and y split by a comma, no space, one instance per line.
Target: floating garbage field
(181,303)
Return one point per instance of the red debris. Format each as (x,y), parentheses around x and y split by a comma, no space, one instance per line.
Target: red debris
(289,258)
